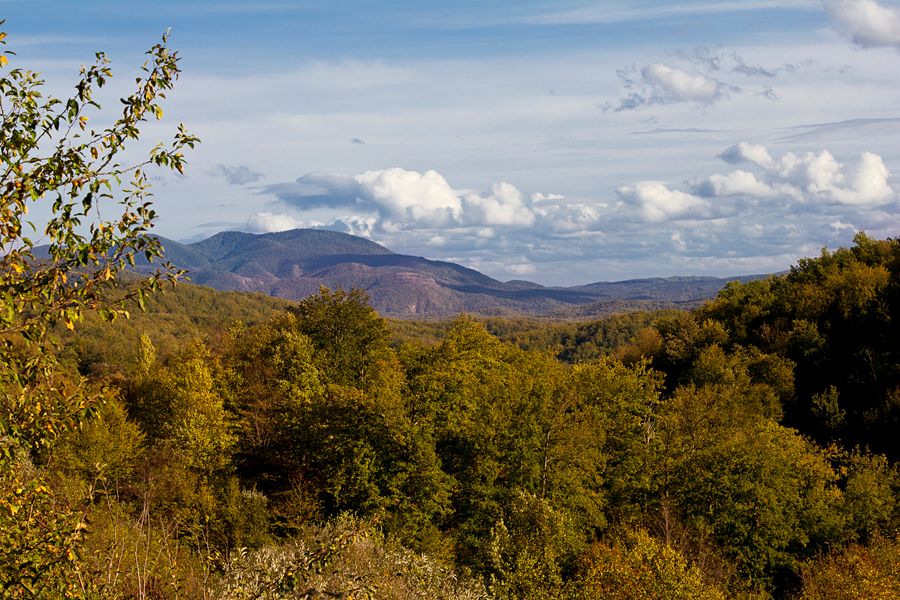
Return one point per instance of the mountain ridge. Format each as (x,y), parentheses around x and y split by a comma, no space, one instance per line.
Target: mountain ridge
(294,264)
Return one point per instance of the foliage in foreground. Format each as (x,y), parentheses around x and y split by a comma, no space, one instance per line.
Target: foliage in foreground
(97,224)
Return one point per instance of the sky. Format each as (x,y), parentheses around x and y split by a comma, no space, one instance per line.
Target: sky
(560,142)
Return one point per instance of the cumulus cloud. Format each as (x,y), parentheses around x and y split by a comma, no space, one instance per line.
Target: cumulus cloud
(750,153)
(409,197)
(266,222)
(736,183)
(504,205)
(657,202)
(403,199)
(807,177)
(521,268)
(867,23)
(676,85)
(236,175)
(769,206)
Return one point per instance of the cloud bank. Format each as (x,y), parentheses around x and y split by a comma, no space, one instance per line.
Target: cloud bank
(767,207)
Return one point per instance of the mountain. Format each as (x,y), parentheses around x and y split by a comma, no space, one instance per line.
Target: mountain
(294,264)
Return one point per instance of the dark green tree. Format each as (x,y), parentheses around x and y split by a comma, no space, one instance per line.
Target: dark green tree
(353,343)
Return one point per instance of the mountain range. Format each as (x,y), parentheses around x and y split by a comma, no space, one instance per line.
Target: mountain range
(294,264)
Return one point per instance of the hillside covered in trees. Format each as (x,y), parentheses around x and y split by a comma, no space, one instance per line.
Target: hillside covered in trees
(746,449)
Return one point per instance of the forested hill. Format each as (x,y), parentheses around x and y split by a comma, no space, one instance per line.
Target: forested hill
(294,264)
(746,449)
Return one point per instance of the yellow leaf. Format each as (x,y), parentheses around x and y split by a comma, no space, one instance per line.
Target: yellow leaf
(70,325)
(3,60)
(93,152)
(159,113)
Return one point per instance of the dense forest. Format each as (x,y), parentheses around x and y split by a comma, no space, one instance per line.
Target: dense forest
(201,444)
(314,449)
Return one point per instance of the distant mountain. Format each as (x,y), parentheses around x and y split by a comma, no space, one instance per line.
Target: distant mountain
(294,264)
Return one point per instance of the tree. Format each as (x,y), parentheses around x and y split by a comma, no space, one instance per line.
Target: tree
(508,424)
(320,448)
(52,159)
(352,340)
(767,496)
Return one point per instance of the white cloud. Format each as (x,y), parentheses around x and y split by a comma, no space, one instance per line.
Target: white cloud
(410,197)
(704,76)
(768,206)
(401,199)
(736,183)
(676,85)
(744,152)
(657,202)
(869,183)
(867,23)
(840,226)
(504,205)
(266,222)
(810,177)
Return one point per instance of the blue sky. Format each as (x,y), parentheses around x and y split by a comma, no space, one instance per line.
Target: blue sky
(561,142)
